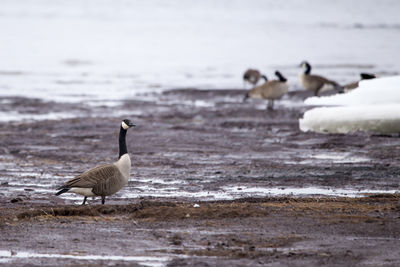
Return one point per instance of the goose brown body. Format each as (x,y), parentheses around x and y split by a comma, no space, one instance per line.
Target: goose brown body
(315,83)
(270,90)
(104,180)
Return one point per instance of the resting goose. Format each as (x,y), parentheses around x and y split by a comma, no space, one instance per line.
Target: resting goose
(103,180)
(364,76)
(270,90)
(316,83)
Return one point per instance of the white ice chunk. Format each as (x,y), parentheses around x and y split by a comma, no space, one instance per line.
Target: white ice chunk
(383,119)
(373,107)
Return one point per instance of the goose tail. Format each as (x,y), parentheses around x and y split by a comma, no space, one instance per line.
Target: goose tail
(62,191)
(337,87)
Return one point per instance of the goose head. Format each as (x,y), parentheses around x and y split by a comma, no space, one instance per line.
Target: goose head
(367,76)
(126,124)
(306,66)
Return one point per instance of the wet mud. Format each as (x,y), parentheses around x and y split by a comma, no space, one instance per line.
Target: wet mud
(201,161)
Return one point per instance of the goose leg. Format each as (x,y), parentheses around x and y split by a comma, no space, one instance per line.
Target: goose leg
(103,200)
(270,105)
(317,91)
(84,201)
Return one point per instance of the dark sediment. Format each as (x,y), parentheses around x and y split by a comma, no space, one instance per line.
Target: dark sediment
(208,140)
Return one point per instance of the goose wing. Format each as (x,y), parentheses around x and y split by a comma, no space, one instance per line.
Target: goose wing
(94,177)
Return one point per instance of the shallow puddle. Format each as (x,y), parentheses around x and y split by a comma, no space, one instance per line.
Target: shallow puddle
(9,256)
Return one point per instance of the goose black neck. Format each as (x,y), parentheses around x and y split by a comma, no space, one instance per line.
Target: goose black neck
(308,69)
(122,142)
(280,76)
(264,77)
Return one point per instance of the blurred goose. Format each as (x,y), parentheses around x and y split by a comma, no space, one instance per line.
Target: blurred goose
(270,90)
(364,76)
(316,83)
(252,76)
(103,180)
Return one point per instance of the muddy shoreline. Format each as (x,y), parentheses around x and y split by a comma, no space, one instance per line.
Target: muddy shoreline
(253,232)
(203,147)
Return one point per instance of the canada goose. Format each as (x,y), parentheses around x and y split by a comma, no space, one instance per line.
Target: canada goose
(315,83)
(364,76)
(271,90)
(252,76)
(103,180)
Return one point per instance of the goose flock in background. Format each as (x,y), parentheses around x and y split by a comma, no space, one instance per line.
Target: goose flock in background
(276,89)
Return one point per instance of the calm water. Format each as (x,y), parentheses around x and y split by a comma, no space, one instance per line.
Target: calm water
(100,51)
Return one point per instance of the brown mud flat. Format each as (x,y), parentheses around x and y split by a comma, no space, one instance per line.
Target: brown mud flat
(188,142)
(253,232)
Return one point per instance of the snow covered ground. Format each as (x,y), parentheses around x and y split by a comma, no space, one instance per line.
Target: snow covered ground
(373,107)
(103,51)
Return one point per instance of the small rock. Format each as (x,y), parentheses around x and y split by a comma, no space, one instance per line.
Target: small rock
(15,200)
(176,240)
(196,206)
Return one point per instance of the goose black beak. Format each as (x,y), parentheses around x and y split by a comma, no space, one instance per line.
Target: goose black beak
(131,124)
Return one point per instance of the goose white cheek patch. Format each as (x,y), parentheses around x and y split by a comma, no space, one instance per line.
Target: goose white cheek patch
(123,124)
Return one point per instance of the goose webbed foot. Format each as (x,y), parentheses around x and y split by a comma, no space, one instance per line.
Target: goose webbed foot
(103,200)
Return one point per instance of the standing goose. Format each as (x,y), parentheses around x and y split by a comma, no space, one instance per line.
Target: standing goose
(316,83)
(103,180)
(271,90)
(364,76)
(252,76)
